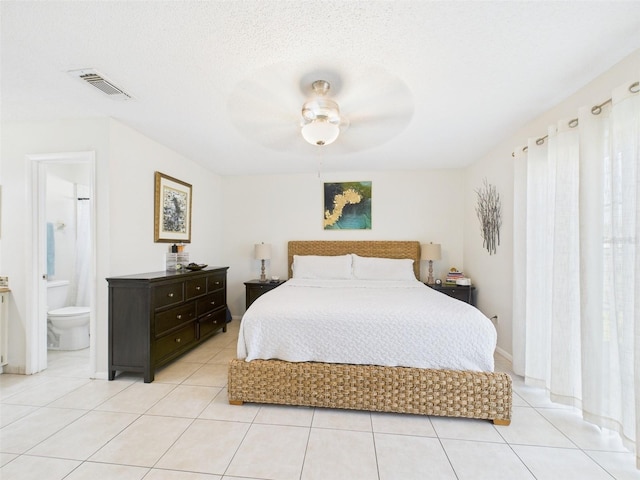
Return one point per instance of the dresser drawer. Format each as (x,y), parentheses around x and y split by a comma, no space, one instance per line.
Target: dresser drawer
(216,282)
(170,294)
(212,321)
(195,287)
(175,341)
(210,302)
(460,294)
(174,317)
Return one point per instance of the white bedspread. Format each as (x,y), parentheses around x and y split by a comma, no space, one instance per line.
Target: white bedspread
(398,323)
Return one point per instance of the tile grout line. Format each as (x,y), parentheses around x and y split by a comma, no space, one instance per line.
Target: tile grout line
(306,447)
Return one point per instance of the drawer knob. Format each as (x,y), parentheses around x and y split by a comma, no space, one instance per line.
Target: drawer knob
(213,303)
(178,340)
(198,287)
(217,283)
(170,295)
(178,317)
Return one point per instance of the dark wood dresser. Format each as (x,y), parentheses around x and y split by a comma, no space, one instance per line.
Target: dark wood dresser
(155,317)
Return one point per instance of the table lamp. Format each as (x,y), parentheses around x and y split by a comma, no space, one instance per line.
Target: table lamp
(262,253)
(430,252)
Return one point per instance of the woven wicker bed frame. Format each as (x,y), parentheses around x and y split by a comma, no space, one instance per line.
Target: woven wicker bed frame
(451,393)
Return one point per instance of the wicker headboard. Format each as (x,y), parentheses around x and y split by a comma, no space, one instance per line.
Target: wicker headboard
(382,249)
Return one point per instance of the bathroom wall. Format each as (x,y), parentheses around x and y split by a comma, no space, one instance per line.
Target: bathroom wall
(61,217)
(63,180)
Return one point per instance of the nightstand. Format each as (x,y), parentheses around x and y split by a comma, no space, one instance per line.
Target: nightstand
(255,288)
(461,292)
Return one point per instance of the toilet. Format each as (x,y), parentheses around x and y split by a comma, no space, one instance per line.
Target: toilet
(67,326)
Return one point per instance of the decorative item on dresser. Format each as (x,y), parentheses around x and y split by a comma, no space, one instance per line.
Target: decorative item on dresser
(461,292)
(255,288)
(155,317)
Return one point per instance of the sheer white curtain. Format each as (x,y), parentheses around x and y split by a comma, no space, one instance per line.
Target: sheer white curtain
(577,264)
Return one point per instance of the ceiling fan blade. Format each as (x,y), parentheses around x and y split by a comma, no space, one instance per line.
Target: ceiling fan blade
(263,108)
(374,105)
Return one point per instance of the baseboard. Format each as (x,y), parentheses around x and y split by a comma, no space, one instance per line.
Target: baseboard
(20,370)
(504,354)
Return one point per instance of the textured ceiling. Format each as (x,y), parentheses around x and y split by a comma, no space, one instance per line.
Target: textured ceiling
(473,72)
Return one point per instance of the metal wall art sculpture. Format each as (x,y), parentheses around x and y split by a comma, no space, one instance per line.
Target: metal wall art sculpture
(489,213)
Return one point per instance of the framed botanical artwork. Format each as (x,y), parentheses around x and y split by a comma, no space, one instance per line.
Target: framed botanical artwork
(172,210)
(347,205)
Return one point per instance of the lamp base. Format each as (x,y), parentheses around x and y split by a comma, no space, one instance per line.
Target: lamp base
(430,280)
(263,277)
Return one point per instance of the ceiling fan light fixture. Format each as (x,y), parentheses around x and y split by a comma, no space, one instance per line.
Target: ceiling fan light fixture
(320,116)
(320,132)
(321,107)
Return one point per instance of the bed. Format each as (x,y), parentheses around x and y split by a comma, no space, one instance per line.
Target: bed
(470,389)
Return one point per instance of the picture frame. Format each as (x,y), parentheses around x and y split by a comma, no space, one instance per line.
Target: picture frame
(347,205)
(172,210)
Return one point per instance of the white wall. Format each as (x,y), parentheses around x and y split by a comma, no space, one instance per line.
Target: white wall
(133,161)
(125,166)
(493,274)
(426,206)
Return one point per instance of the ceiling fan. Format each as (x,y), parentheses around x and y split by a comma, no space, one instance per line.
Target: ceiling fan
(343,110)
(320,116)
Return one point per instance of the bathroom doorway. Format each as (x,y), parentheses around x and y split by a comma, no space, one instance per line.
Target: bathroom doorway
(64,233)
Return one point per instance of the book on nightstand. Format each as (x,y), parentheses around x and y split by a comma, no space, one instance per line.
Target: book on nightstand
(452,276)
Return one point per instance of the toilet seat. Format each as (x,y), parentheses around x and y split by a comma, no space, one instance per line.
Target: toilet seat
(68,312)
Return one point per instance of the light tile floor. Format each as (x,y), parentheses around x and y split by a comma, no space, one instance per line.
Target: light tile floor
(61,425)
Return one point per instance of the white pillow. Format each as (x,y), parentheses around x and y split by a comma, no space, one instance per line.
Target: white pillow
(316,266)
(373,268)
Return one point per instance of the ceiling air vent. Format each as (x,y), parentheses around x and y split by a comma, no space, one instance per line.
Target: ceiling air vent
(97,80)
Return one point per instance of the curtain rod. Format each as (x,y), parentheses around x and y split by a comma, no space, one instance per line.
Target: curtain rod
(595,110)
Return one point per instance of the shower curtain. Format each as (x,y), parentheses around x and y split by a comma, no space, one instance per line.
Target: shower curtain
(83,248)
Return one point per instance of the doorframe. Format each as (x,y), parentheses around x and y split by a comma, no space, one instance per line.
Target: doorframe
(36,326)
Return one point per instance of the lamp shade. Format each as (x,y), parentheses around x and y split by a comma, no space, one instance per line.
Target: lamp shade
(320,132)
(262,251)
(430,251)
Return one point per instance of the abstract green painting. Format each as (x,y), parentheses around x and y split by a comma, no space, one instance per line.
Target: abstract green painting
(347,205)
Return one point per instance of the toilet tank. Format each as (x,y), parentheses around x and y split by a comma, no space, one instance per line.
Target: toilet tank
(57,292)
